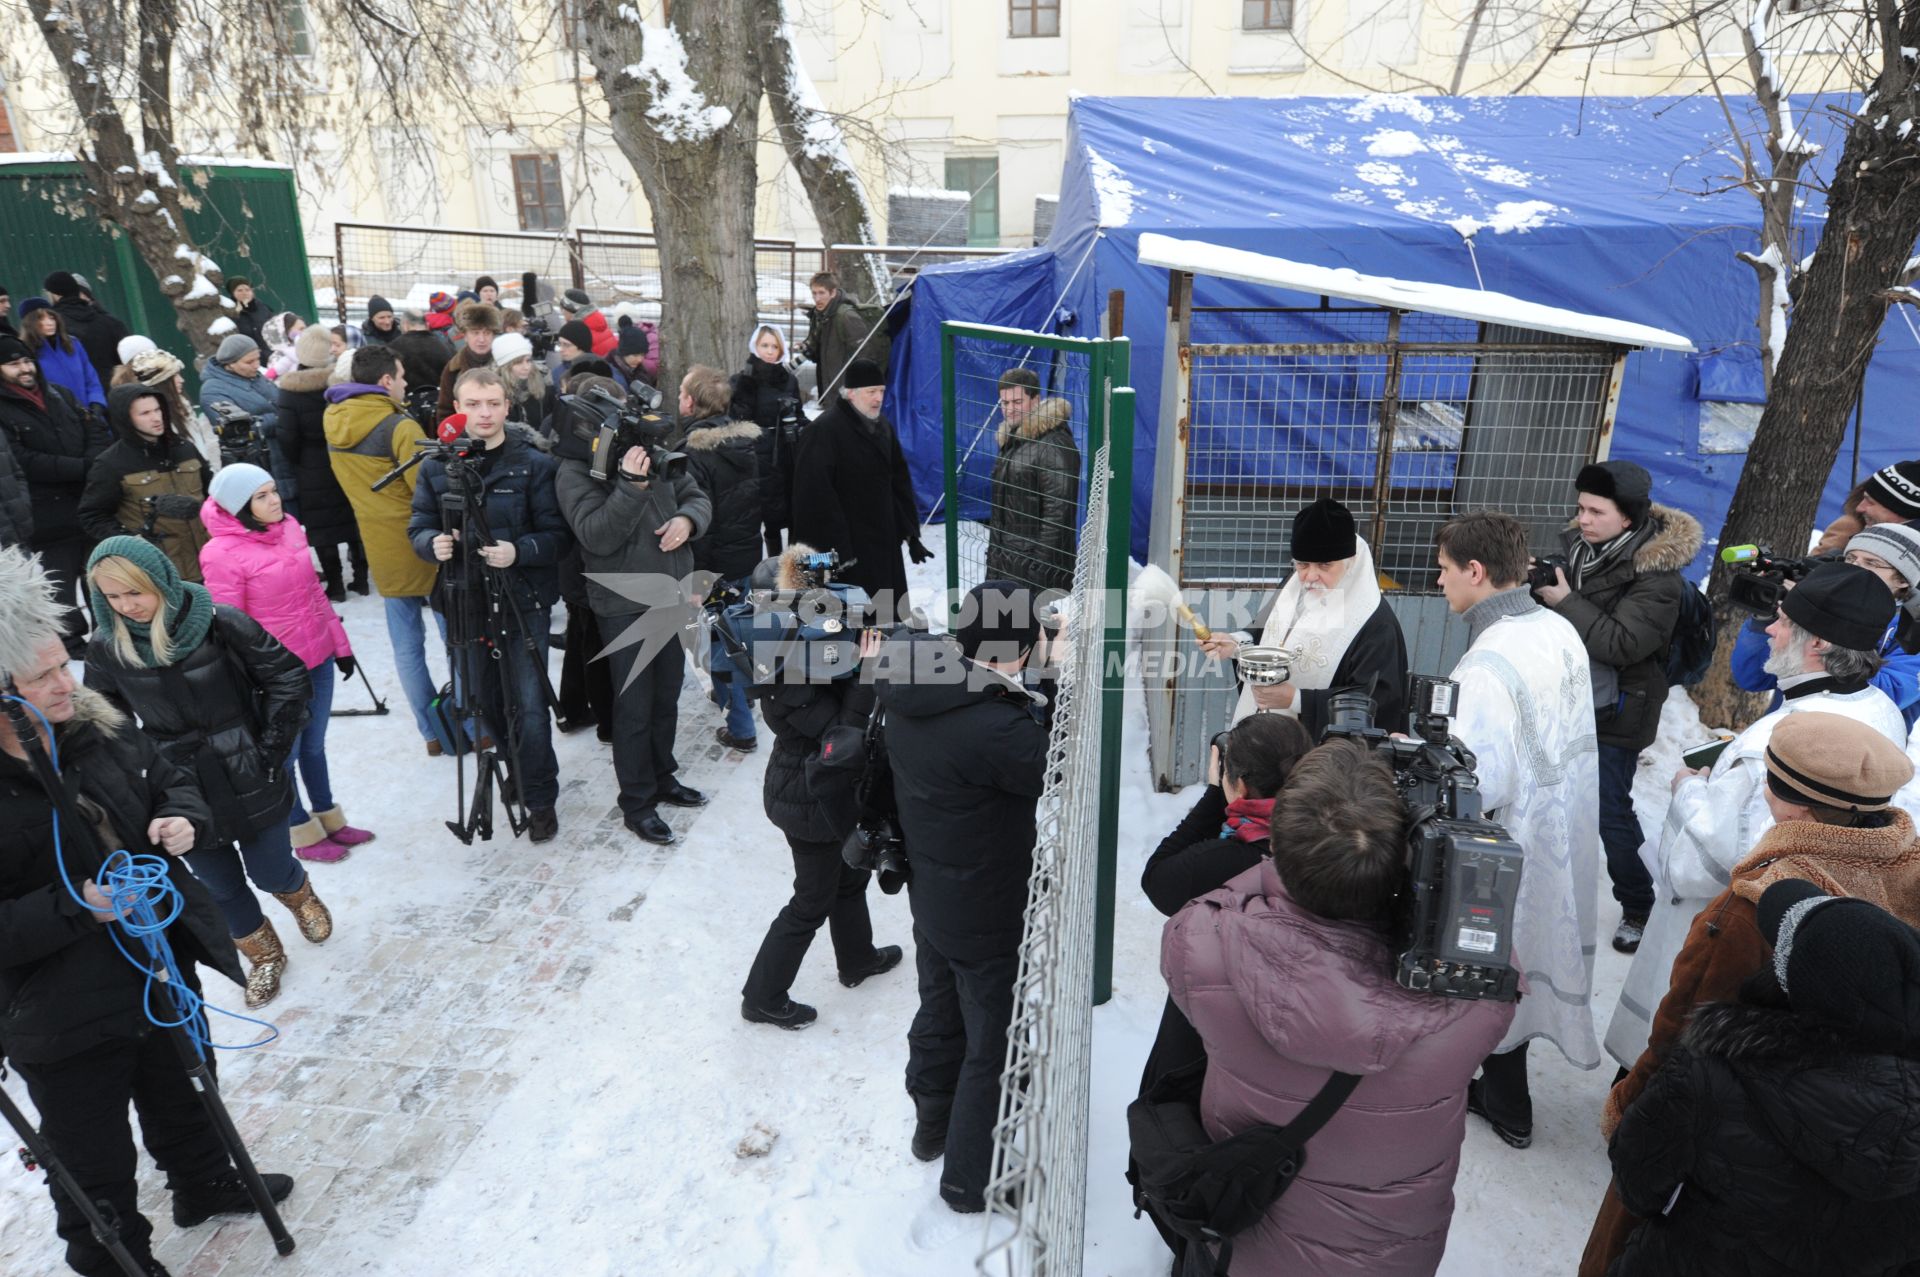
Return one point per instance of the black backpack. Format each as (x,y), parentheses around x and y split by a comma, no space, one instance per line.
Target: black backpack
(1690,650)
(1201,1193)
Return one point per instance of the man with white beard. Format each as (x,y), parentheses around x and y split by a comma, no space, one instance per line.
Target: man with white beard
(1331,617)
(1823,650)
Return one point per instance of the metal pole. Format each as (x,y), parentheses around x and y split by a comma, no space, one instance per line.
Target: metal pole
(949,430)
(1389,416)
(1119,432)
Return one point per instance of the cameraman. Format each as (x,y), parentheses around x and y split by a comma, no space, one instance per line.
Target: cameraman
(516,482)
(1622,592)
(1286,974)
(968,746)
(74,1008)
(637,523)
(1526,711)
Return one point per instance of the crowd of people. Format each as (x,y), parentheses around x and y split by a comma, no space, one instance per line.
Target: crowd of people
(191,555)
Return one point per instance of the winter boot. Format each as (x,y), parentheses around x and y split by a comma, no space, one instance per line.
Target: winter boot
(310,842)
(316,923)
(788,1015)
(224,1194)
(266,961)
(930,1126)
(1632,929)
(334,821)
(885,958)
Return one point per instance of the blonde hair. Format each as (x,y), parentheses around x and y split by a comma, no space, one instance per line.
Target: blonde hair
(127,574)
(708,388)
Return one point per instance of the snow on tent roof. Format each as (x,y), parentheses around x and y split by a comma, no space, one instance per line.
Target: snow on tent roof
(1201,258)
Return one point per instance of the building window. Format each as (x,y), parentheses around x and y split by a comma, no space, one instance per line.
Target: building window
(979,176)
(1033,18)
(536,188)
(1266,15)
(296,25)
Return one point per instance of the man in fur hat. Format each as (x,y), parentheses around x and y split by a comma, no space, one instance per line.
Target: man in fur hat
(479,324)
(1623,593)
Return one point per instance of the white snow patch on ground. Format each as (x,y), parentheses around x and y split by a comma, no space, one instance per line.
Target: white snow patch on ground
(1394,143)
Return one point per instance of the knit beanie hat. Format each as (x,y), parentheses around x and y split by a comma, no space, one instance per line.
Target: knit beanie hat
(235,347)
(314,346)
(1897,487)
(442,301)
(12,348)
(156,368)
(1000,621)
(32,304)
(377,305)
(1846,964)
(235,485)
(508,347)
(149,558)
(633,341)
(1845,605)
(62,283)
(485,281)
(1625,483)
(1898,544)
(236,282)
(133,345)
(576,301)
(1324,533)
(862,373)
(577,332)
(1814,757)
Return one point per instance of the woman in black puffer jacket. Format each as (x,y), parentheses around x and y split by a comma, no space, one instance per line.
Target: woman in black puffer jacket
(766,393)
(225,702)
(825,888)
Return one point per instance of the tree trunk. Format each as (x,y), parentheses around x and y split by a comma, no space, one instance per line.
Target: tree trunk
(684,104)
(817,148)
(1873,218)
(136,192)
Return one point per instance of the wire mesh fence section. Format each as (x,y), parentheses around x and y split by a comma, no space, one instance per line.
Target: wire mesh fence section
(1039,1178)
(1019,460)
(408,264)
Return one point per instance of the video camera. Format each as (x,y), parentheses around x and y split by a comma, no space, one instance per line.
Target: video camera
(614,425)
(241,438)
(1453,931)
(1761,581)
(811,634)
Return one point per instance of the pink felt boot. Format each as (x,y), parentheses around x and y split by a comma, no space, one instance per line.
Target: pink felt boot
(334,821)
(310,842)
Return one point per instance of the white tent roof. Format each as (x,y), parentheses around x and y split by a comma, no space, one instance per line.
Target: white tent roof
(1202,258)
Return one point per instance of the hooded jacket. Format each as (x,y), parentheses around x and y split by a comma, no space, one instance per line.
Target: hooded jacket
(97,330)
(367,435)
(725,456)
(423,357)
(55,446)
(1769,1145)
(1625,611)
(968,749)
(1283,999)
(1034,524)
(64,988)
(134,470)
(256,396)
(269,576)
(769,396)
(302,434)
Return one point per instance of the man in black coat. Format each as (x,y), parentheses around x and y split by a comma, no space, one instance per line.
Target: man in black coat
(968,746)
(852,492)
(88,322)
(73,1010)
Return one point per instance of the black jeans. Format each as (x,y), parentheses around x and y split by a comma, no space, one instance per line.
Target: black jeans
(328,552)
(1504,1089)
(645,717)
(586,688)
(825,889)
(83,1114)
(65,562)
(1620,831)
(957,1046)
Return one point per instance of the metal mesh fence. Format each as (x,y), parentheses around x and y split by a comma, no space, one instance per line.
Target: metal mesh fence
(407,264)
(1040,1141)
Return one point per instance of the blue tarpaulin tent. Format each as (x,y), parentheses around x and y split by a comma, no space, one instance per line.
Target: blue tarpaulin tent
(1614,207)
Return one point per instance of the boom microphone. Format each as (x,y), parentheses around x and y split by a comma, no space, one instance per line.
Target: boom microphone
(529,292)
(1742,553)
(453,427)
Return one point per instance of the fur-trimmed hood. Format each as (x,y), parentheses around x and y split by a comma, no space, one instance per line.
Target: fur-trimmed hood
(722,434)
(306,381)
(91,709)
(1673,539)
(1047,415)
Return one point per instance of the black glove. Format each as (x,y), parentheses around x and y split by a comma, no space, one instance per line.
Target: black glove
(917,550)
(174,505)
(345,664)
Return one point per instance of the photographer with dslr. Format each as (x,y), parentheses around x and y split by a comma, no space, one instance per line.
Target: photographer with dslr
(1285,973)
(968,746)
(1822,654)
(1526,711)
(516,481)
(630,519)
(1619,585)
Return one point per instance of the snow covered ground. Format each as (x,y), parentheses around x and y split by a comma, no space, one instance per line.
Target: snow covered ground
(518,1059)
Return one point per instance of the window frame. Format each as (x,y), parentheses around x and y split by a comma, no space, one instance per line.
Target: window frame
(543,161)
(1268,10)
(1033,11)
(972,181)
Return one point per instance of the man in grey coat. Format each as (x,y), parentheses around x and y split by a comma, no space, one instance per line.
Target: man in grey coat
(637,524)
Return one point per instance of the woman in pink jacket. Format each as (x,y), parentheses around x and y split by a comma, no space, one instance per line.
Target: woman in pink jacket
(256,560)
(1284,973)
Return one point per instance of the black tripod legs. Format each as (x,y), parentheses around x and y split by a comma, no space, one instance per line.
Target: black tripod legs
(101,1220)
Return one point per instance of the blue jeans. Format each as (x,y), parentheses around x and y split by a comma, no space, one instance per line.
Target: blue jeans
(728,683)
(1620,831)
(535,769)
(307,764)
(266,857)
(409,638)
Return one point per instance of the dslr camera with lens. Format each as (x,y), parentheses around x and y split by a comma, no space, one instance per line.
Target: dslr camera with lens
(613,426)
(1541,574)
(1453,932)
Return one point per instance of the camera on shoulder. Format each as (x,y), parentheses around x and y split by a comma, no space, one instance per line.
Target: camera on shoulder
(613,426)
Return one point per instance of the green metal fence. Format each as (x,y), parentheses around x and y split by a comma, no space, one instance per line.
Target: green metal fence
(248,221)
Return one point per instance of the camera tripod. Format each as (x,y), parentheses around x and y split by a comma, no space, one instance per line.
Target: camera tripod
(193,1056)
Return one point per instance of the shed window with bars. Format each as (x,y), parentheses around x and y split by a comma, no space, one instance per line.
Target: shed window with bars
(537,191)
(1266,15)
(1029,18)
